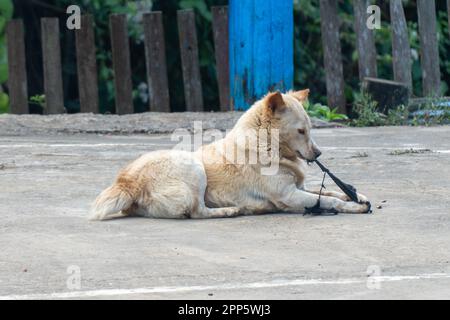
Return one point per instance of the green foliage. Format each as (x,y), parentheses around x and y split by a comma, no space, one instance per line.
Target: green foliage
(309,52)
(39,100)
(6,13)
(368,115)
(398,116)
(309,71)
(323,112)
(101,10)
(203,18)
(444,48)
(366,110)
(200,6)
(4,102)
(429,113)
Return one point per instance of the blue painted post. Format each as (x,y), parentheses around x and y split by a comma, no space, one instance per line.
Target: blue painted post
(261,49)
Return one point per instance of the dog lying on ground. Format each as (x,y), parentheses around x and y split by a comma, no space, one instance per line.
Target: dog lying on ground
(212,183)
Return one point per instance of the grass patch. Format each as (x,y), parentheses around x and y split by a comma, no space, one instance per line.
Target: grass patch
(401,152)
(360,155)
(323,112)
(431,112)
(366,111)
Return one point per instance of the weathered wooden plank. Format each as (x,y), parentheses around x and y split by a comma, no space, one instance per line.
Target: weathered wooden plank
(51,50)
(365,41)
(388,94)
(261,49)
(189,60)
(155,53)
(401,50)
(17,82)
(431,75)
(332,55)
(87,66)
(121,63)
(220,30)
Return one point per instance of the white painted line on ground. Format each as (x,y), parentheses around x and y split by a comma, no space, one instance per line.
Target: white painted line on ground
(231,286)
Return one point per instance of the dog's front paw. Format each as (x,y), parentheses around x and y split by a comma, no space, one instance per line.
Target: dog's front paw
(367,206)
(357,207)
(361,198)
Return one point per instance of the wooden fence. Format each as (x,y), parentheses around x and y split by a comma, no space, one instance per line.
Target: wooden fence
(156,57)
(155,54)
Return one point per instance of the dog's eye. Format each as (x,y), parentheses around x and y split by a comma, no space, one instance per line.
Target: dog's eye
(301,131)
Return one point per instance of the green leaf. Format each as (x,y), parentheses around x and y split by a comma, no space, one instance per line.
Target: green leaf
(3,73)
(6,9)
(199,5)
(4,102)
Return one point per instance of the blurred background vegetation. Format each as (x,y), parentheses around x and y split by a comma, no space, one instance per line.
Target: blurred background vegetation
(308,48)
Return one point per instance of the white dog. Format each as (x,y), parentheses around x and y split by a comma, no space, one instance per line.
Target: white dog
(221,180)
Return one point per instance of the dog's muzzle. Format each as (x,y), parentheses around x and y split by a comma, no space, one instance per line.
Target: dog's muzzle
(317,154)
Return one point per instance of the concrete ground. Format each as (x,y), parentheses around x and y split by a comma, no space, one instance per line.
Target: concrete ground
(401,251)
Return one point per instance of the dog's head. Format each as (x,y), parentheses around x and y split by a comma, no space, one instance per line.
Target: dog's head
(286,113)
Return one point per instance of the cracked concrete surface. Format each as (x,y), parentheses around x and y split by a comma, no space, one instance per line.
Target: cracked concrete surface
(47,183)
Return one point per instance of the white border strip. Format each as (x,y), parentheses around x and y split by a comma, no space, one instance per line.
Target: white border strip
(231,286)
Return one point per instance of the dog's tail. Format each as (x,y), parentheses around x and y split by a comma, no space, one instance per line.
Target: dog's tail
(111,201)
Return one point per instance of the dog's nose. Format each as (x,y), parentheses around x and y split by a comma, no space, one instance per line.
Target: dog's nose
(317,153)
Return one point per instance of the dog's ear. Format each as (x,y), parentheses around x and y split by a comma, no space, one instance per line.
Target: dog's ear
(301,95)
(274,102)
